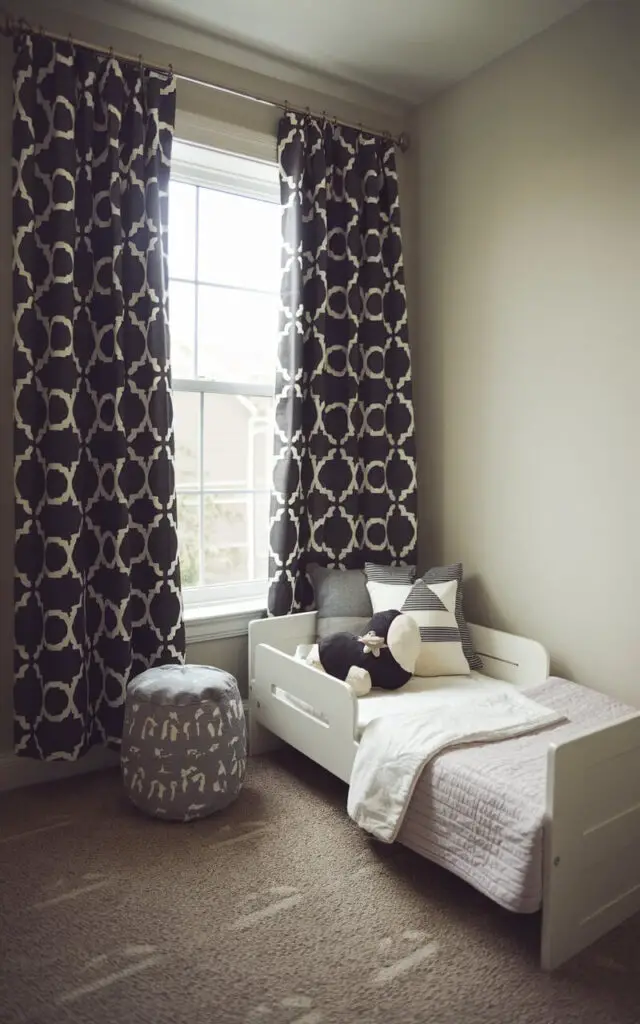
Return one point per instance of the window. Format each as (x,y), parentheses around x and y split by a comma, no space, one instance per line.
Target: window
(224,277)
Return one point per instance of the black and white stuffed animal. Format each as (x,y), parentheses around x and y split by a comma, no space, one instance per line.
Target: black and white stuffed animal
(384,656)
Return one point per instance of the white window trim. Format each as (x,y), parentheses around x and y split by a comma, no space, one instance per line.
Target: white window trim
(220,612)
(226,136)
(219,621)
(228,594)
(226,172)
(220,387)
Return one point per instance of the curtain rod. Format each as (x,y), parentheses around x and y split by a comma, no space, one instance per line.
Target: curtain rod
(16,26)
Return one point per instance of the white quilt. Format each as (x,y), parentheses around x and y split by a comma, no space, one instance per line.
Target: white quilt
(395,748)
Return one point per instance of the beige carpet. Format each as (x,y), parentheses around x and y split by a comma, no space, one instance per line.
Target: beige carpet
(278,911)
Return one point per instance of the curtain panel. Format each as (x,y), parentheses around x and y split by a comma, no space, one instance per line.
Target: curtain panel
(97,584)
(345,488)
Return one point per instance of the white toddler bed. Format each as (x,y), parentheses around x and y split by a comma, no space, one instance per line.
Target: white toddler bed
(550,819)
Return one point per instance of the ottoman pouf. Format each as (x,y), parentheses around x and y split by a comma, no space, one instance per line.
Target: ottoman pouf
(184,742)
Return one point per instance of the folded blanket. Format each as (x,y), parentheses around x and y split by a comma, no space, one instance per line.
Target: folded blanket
(395,748)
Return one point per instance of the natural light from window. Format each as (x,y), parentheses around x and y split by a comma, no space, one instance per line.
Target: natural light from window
(224,274)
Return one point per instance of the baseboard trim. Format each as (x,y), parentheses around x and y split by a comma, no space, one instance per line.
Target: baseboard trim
(16,772)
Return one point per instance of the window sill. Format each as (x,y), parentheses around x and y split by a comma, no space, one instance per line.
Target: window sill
(221,621)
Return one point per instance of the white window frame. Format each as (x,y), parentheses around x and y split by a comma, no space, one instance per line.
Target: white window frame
(255,178)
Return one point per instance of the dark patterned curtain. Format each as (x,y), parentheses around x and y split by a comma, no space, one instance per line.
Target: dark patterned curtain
(345,462)
(97,586)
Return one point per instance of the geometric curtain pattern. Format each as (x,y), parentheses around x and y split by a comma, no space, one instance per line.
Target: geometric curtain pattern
(97,583)
(345,487)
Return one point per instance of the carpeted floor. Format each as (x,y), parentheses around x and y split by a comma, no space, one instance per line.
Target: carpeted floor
(278,911)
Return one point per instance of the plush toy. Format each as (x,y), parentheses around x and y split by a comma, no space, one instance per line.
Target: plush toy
(384,656)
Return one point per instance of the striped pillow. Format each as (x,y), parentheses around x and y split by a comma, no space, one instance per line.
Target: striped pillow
(389,585)
(435,602)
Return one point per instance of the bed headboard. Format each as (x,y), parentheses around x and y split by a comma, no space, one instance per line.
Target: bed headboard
(512,658)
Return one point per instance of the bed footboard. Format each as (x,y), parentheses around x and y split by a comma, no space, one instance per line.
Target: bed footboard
(592,839)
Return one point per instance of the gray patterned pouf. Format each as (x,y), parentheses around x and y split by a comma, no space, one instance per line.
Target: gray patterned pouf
(184,743)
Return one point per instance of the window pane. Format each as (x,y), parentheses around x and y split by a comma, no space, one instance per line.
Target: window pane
(226,538)
(182,327)
(182,230)
(186,425)
(235,445)
(263,448)
(236,537)
(189,538)
(239,241)
(261,507)
(237,335)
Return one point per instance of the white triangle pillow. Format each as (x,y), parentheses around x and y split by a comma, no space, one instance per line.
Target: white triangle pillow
(433,607)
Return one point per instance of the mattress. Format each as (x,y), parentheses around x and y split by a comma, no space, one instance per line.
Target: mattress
(478,810)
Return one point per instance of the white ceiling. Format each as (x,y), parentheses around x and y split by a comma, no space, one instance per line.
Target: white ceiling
(408,49)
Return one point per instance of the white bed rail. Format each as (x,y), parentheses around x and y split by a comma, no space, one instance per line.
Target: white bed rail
(591,874)
(512,658)
(325,733)
(284,632)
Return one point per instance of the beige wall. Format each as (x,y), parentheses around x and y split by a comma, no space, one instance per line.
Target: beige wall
(194,55)
(229,654)
(529,375)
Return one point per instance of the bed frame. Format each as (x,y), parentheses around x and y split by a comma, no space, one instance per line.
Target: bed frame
(591,869)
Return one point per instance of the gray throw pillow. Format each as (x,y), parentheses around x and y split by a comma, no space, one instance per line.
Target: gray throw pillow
(341,600)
